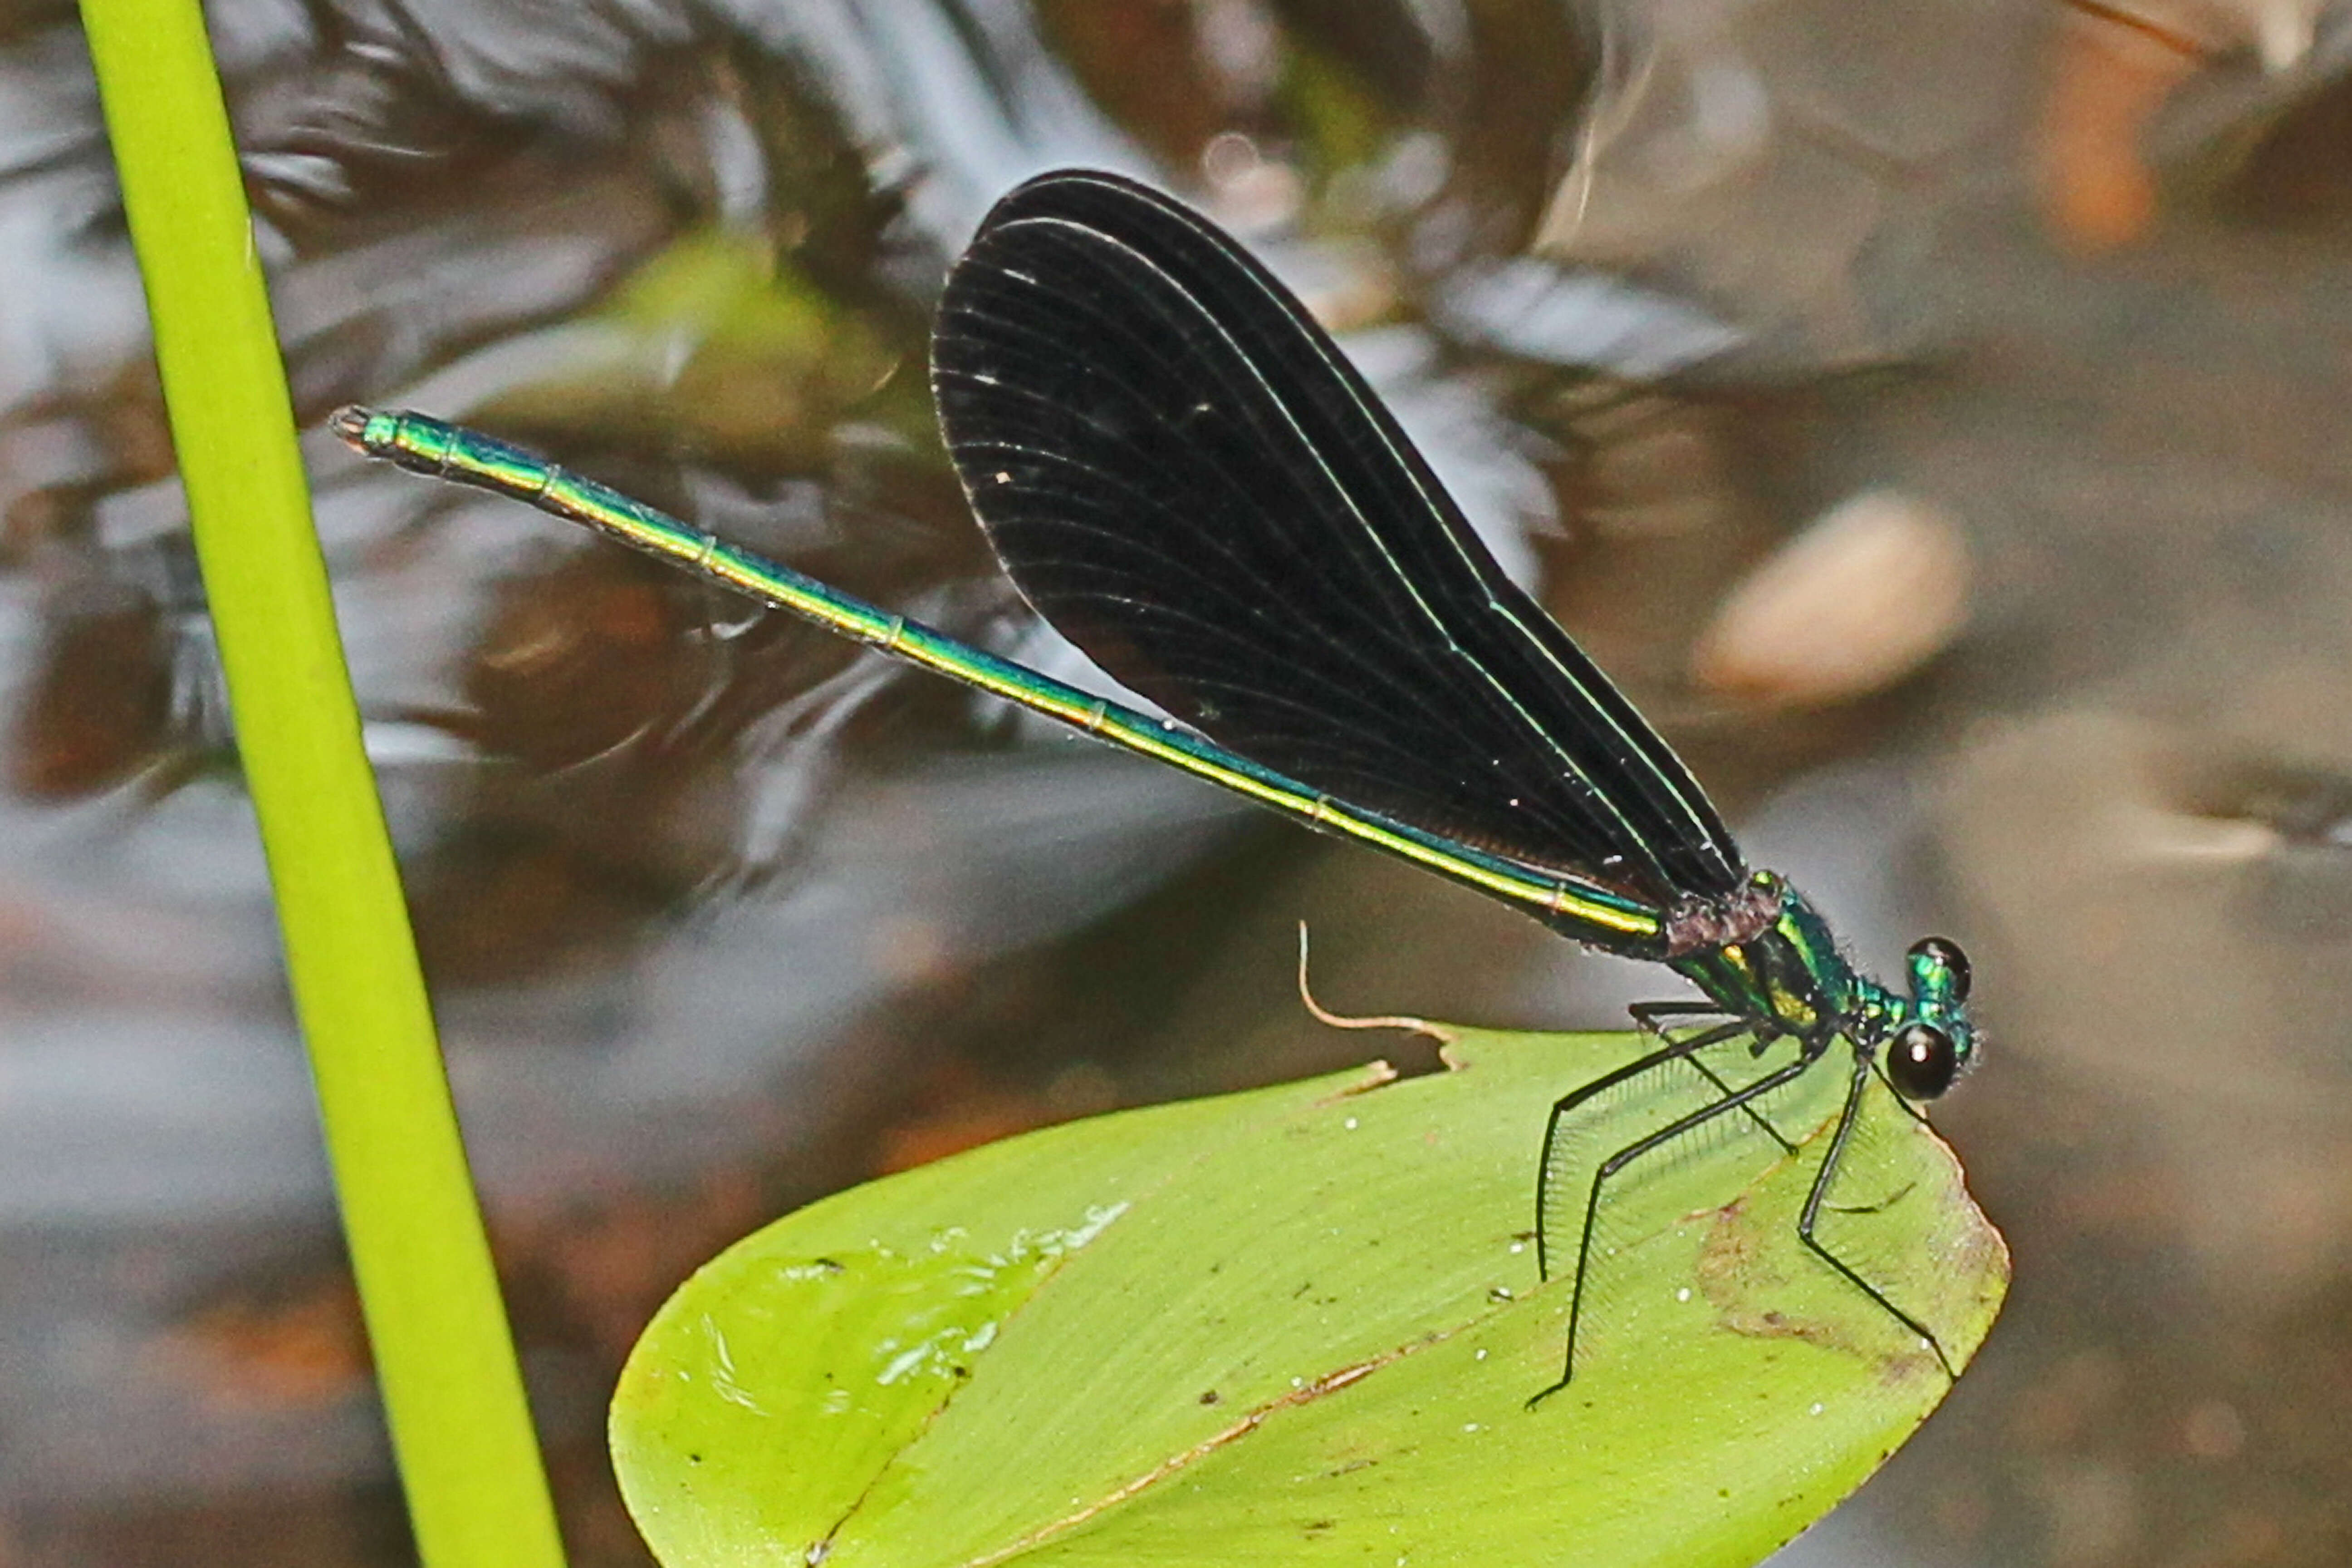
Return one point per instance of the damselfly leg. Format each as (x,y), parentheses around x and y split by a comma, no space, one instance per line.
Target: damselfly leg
(1742,1098)
(1817,1203)
(1647,1017)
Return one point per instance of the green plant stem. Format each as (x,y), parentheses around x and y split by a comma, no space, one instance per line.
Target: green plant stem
(453,1392)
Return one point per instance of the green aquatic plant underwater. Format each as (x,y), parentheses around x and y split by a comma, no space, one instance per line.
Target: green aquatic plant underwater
(1183,474)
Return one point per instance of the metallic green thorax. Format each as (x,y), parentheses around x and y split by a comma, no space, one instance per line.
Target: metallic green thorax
(1792,974)
(1583,909)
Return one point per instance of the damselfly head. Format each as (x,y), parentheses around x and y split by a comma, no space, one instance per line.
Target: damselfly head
(1933,1046)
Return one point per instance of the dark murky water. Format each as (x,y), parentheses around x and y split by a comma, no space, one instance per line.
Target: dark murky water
(722,916)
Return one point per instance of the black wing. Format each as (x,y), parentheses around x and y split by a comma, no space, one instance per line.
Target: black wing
(1186,479)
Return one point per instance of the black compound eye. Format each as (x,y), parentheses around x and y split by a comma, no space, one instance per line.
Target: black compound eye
(1921,1061)
(1949,955)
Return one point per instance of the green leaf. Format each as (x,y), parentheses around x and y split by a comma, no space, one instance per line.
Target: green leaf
(1306,1323)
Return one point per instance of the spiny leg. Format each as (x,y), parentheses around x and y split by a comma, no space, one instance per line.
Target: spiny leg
(1616,1163)
(1879,1070)
(1754,1115)
(1567,1104)
(1816,1199)
(1645,1015)
(1909,1110)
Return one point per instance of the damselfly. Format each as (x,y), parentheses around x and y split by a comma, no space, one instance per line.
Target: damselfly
(1183,474)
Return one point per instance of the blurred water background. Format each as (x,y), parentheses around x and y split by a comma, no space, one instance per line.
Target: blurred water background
(1933,413)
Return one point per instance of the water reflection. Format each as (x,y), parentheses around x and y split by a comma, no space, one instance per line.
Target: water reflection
(722,916)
